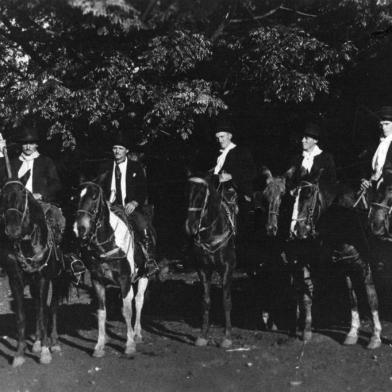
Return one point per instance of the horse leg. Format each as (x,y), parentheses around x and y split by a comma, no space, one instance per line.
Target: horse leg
(352,336)
(99,349)
(54,305)
(130,347)
(34,291)
(205,278)
(44,287)
(375,340)
(307,304)
(139,302)
(17,288)
(226,292)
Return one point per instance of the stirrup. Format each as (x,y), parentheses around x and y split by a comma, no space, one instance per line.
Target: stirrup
(151,267)
(77,274)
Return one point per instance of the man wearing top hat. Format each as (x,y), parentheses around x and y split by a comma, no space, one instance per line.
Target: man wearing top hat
(235,171)
(313,162)
(124,185)
(382,159)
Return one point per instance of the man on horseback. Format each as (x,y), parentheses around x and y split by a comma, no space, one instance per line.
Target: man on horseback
(382,159)
(41,177)
(125,187)
(235,171)
(313,161)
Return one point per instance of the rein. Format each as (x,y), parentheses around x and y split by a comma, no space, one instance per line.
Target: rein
(94,214)
(28,264)
(210,246)
(309,218)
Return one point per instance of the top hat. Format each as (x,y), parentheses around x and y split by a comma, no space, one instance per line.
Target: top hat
(385,113)
(312,130)
(121,139)
(224,125)
(28,134)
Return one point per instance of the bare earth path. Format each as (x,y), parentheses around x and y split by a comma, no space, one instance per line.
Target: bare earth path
(167,360)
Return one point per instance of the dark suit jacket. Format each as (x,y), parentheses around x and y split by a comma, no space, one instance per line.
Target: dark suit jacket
(45,177)
(239,163)
(324,162)
(136,184)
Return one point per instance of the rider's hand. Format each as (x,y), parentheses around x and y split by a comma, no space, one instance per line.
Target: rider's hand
(365,184)
(37,196)
(224,177)
(130,207)
(2,144)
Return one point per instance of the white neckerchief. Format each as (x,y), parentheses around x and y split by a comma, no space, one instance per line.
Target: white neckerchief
(222,157)
(307,161)
(27,164)
(379,157)
(123,170)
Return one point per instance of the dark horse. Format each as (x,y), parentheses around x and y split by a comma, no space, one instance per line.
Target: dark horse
(341,229)
(32,257)
(209,224)
(110,259)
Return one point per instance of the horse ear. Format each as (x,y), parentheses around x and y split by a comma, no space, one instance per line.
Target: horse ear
(287,175)
(101,178)
(25,177)
(267,173)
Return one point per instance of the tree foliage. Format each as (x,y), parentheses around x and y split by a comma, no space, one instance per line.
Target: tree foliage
(90,67)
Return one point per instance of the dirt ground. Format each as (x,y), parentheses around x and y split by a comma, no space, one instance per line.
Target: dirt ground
(168,361)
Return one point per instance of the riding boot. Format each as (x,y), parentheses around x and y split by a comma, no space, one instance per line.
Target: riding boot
(150,266)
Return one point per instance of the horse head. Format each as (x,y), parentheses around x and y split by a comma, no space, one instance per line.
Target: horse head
(308,207)
(88,211)
(380,212)
(15,207)
(271,200)
(200,190)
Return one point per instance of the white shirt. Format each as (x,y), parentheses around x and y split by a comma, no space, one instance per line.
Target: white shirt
(308,159)
(222,157)
(123,170)
(379,157)
(27,164)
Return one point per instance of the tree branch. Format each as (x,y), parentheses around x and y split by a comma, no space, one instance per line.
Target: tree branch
(271,12)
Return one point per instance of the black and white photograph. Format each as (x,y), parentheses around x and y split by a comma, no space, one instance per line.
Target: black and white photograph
(195,195)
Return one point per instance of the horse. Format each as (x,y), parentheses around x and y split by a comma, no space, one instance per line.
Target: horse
(342,229)
(32,257)
(210,225)
(111,262)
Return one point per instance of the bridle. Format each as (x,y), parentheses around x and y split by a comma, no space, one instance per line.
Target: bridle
(29,264)
(219,241)
(309,218)
(202,209)
(23,213)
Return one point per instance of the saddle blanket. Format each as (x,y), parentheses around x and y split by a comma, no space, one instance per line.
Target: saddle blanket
(123,238)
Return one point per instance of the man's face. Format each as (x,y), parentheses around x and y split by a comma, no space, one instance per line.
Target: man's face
(224,138)
(29,148)
(308,143)
(120,153)
(386,127)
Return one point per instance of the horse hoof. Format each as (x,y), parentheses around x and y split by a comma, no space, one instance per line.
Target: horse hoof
(18,361)
(138,339)
(55,348)
(350,340)
(130,350)
(307,336)
(226,343)
(99,353)
(201,342)
(45,357)
(36,347)
(375,342)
